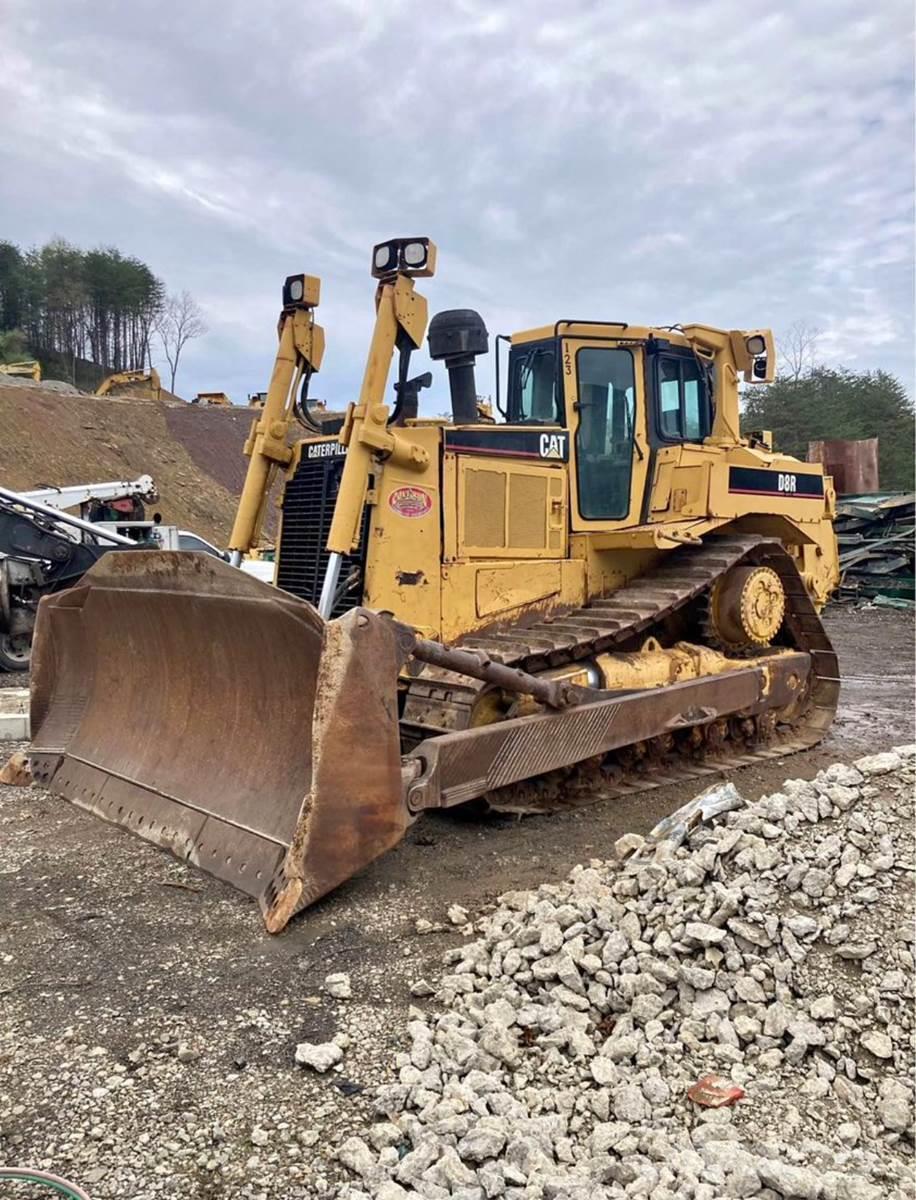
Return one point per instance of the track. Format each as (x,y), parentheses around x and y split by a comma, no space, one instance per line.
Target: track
(440,702)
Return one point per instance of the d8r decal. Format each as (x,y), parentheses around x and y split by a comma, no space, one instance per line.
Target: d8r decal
(760,481)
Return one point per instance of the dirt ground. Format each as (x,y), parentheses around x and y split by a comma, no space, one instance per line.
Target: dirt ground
(114,957)
(193,453)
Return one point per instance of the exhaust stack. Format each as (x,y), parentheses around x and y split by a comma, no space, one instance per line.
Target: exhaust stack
(456,337)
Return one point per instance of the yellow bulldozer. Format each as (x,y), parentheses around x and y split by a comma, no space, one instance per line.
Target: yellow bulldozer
(607,588)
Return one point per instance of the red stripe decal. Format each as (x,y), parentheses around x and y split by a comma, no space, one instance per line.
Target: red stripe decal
(492,453)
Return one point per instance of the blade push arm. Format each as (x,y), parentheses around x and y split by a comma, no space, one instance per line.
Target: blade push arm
(400,322)
(300,352)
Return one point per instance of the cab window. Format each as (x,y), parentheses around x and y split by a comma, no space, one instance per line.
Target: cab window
(606,394)
(683,403)
(533,390)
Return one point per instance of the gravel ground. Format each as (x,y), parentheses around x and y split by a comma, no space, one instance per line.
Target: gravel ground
(773,953)
(148,1028)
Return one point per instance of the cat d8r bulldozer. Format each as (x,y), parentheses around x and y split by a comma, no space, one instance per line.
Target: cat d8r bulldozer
(612,584)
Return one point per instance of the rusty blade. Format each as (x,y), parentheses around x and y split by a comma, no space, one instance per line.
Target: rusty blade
(175,696)
(355,808)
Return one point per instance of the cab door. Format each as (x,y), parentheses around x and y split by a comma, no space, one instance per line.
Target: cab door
(605,400)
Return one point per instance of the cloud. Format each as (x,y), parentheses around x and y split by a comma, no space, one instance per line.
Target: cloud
(681,162)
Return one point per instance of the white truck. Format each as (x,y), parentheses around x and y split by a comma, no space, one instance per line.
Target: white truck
(170,537)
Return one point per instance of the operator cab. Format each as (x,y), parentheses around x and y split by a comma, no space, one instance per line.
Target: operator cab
(622,393)
(676,380)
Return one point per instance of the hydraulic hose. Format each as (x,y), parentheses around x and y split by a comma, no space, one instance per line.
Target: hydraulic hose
(53,1182)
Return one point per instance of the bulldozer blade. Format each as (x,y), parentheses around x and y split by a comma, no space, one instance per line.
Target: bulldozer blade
(222,719)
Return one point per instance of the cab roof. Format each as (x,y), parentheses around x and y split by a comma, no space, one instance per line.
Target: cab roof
(610,330)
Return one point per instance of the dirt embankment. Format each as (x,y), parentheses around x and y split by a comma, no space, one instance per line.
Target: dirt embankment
(194,454)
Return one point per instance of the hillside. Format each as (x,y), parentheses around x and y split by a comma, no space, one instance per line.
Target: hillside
(50,436)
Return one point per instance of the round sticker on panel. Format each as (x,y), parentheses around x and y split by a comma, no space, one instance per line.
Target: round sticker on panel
(410,501)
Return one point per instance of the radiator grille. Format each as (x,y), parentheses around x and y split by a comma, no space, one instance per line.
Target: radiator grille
(308,507)
(527,511)
(484,509)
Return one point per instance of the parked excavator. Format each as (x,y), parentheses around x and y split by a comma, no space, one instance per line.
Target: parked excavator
(142,385)
(611,587)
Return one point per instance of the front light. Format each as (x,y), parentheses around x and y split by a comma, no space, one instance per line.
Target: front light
(406,256)
(383,257)
(301,291)
(756,344)
(414,254)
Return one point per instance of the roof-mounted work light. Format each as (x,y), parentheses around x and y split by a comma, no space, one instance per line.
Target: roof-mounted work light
(405,256)
(301,291)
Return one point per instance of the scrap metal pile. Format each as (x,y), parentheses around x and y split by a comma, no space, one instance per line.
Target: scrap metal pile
(876,539)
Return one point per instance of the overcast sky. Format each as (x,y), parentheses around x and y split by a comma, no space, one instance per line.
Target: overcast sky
(684,160)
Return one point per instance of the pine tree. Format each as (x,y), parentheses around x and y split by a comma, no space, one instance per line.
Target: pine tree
(839,403)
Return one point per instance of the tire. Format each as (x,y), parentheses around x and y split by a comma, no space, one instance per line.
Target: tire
(15,653)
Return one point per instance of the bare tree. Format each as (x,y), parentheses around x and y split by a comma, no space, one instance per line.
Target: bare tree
(797,350)
(180,320)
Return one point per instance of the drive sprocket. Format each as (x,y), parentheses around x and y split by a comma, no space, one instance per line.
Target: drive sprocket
(746,607)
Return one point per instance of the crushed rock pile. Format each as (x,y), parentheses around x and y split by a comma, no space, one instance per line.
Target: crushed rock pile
(774,949)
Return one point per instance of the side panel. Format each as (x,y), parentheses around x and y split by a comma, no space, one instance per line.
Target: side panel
(484,595)
(608,570)
(509,509)
(498,588)
(756,491)
(505,527)
(680,482)
(404,547)
(774,485)
(727,482)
